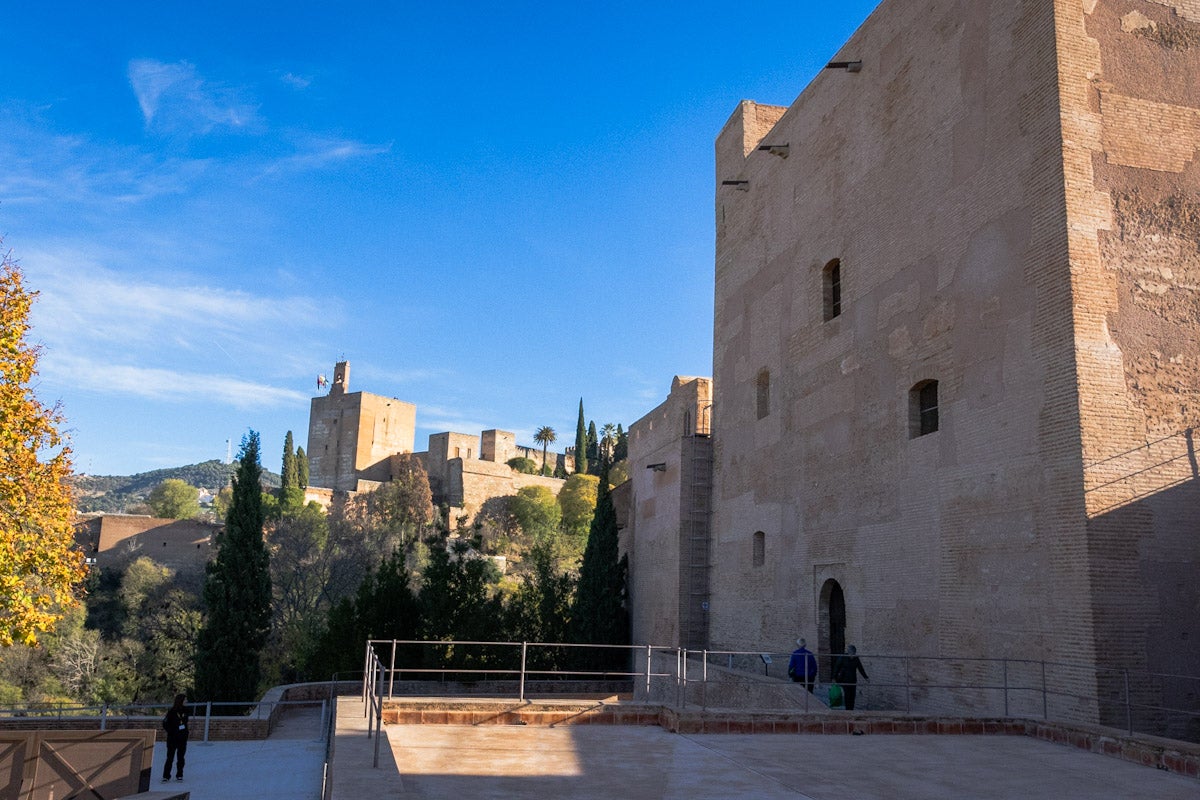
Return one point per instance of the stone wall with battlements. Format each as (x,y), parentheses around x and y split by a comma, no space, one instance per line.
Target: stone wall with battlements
(653,534)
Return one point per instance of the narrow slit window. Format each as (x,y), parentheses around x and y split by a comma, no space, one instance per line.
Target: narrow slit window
(763,393)
(760,548)
(923,409)
(832,283)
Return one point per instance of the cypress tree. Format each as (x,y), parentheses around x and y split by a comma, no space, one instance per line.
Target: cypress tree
(237,591)
(600,614)
(581,459)
(302,467)
(291,478)
(621,451)
(593,449)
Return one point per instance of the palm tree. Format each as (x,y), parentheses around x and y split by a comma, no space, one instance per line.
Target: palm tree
(545,436)
(608,440)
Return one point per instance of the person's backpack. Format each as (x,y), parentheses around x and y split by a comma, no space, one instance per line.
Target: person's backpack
(835,696)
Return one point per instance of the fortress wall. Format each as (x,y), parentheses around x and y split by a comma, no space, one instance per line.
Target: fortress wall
(1130,82)
(475,482)
(935,176)
(182,545)
(652,534)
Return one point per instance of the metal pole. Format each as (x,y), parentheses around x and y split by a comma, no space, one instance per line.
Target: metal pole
(1128,705)
(392,671)
(378,711)
(366,671)
(704,678)
(368,675)
(1006,687)
(682,699)
(524,652)
(1045,706)
(907,686)
(324,721)
(378,732)
(648,658)
(207,718)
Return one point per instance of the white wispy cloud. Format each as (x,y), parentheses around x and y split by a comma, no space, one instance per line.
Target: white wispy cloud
(315,152)
(113,334)
(80,298)
(296,81)
(152,383)
(42,167)
(174,97)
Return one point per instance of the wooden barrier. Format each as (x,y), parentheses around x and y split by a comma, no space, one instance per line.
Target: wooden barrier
(56,765)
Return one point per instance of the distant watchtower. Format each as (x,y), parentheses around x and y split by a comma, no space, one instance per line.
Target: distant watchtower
(341,378)
(352,435)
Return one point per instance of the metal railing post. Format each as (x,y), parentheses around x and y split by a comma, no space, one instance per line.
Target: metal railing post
(1128,705)
(366,673)
(378,712)
(681,684)
(649,657)
(392,671)
(704,684)
(1045,704)
(907,687)
(524,654)
(324,720)
(1006,687)
(207,718)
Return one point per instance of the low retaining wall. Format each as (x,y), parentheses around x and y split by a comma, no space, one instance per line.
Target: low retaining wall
(501,689)
(258,724)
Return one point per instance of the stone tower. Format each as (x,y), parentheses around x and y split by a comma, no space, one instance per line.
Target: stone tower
(351,435)
(957,340)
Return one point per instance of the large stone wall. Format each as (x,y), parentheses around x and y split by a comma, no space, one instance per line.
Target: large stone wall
(1130,86)
(115,540)
(660,470)
(933,175)
(1010,190)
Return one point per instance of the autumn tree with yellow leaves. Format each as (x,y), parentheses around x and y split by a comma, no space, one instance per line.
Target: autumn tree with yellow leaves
(39,566)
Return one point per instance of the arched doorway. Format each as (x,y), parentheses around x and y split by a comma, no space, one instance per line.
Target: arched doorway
(831,626)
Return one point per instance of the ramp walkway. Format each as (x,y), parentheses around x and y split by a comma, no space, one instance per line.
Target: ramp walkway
(286,766)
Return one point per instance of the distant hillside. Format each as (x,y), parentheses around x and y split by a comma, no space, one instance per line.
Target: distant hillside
(115,493)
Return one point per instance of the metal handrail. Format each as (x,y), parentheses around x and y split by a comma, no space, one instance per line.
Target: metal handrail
(909,684)
(107,712)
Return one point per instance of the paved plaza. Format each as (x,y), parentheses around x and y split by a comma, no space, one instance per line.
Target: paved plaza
(424,762)
(635,763)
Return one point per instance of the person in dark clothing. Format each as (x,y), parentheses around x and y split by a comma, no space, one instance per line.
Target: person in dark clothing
(802,667)
(175,723)
(845,673)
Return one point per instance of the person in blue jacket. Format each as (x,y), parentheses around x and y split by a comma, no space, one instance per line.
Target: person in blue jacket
(802,667)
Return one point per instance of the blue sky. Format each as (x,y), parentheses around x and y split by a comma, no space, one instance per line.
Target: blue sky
(491,210)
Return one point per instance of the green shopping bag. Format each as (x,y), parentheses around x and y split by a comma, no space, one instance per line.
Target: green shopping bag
(835,696)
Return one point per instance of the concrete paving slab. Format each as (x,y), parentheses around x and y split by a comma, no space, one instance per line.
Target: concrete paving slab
(638,762)
(287,766)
